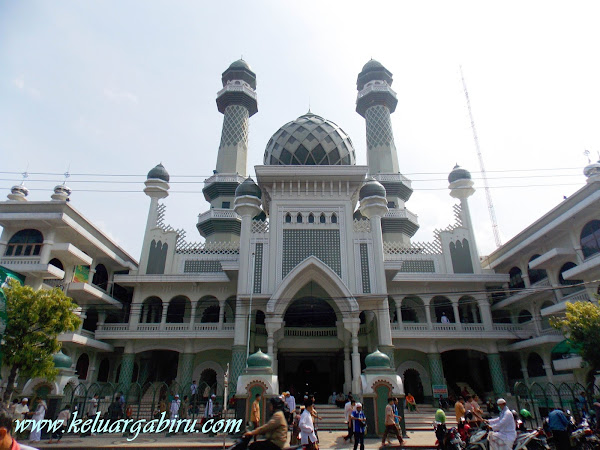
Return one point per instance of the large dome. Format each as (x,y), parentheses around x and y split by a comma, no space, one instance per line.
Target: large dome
(310,140)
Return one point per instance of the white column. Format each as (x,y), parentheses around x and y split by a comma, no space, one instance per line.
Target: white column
(355,366)
(486,312)
(163,319)
(384,328)
(428,316)
(456,315)
(221,314)
(47,247)
(193,314)
(347,369)
(399,315)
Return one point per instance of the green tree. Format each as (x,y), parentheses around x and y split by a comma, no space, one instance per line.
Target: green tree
(35,319)
(581,327)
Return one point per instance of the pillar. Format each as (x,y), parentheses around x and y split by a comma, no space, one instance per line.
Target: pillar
(428,316)
(456,316)
(436,368)
(163,319)
(185,370)
(126,374)
(495,364)
(238,364)
(355,366)
(486,313)
(347,369)
(547,358)
(399,316)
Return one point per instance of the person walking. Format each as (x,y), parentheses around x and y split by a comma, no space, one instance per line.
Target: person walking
(64,416)
(503,432)
(209,411)
(459,409)
(194,392)
(255,413)
(359,422)
(174,411)
(290,401)
(349,408)
(295,437)
(38,415)
(20,413)
(559,425)
(390,422)
(307,428)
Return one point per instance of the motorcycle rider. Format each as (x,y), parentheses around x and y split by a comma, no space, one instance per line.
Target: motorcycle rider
(275,429)
(503,433)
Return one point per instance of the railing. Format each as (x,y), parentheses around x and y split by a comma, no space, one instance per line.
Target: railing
(444,326)
(478,327)
(148,327)
(87,334)
(401,214)
(206,327)
(383,177)
(310,332)
(237,88)
(579,296)
(224,178)
(414,327)
(217,213)
(507,327)
(177,327)
(376,88)
(8,260)
(113,327)
(164,328)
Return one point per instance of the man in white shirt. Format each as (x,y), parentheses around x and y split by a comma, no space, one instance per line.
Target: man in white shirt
(174,410)
(503,432)
(444,318)
(290,401)
(307,429)
(349,408)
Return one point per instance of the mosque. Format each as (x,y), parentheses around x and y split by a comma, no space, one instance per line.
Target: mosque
(313,263)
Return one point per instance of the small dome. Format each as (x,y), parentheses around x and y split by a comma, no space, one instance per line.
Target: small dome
(377,359)
(310,140)
(159,172)
(372,64)
(248,187)
(592,169)
(62,361)
(61,189)
(239,64)
(458,173)
(20,189)
(371,188)
(259,359)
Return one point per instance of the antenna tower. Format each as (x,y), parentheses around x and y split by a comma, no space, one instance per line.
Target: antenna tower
(488,194)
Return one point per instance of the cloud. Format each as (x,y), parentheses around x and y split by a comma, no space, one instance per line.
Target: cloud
(120,96)
(19,82)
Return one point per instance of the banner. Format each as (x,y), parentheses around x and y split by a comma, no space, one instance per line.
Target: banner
(439,390)
(81,274)
(5,275)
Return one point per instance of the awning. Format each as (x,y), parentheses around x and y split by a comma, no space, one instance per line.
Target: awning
(566,347)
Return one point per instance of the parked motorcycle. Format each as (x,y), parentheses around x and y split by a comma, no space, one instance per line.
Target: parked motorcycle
(447,439)
(584,438)
(526,440)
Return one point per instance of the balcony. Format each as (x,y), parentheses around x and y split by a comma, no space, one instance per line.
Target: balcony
(85,338)
(580,296)
(70,255)
(109,331)
(86,293)
(32,266)
(552,258)
(218,220)
(536,290)
(310,332)
(588,269)
(572,363)
(463,330)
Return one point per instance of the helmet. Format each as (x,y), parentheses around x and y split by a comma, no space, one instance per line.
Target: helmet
(440,416)
(525,414)
(276,402)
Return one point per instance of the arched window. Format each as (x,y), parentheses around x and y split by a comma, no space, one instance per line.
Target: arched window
(311,218)
(535,366)
(524,316)
(101,277)
(103,370)
(590,238)
(81,368)
(322,218)
(210,314)
(516,280)
(56,263)
(536,275)
(333,218)
(288,218)
(577,284)
(91,320)
(179,310)
(25,243)
(260,318)
(299,218)
(151,310)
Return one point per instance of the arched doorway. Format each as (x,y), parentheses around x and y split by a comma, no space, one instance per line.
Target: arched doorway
(469,367)
(413,384)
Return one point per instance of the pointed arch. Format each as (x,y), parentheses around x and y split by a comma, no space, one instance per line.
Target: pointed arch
(312,269)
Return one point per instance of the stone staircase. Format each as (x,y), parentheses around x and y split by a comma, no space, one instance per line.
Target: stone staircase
(333,418)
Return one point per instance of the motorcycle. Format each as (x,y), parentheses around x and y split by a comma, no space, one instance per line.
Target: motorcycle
(584,438)
(447,439)
(526,440)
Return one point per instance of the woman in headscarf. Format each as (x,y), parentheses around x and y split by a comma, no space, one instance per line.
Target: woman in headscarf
(38,415)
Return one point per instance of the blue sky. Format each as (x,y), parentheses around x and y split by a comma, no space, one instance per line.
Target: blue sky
(116,87)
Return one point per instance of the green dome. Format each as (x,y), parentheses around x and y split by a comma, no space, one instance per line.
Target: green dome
(259,359)
(239,64)
(62,361)
(372,64)
(372,188)
(458,173)
(248,187)
(159,172)
(377,359)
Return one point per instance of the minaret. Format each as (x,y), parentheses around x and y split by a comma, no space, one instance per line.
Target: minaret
(375,102)
(237,102)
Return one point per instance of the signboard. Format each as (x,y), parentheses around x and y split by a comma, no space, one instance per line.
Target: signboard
(439,390)
(5,275)
(81,274)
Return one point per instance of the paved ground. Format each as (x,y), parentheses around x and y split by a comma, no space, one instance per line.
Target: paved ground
(329,440)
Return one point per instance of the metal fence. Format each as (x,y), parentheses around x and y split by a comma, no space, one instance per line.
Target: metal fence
(143,401)
(540,399)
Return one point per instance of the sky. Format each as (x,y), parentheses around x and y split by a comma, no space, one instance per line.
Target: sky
(102,88)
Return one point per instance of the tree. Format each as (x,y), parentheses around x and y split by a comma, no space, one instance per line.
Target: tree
(581,327)
(35,319)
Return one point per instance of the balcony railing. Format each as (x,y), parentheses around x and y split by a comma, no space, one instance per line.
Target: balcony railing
(310,332)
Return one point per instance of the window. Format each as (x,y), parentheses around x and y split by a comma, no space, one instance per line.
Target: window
(288,218)
(322,218)
(299,218)
(577,284)
(590,238)
(333,218)
(516,280)
(536,275)
(226,205)
(311,218)
(25,243)
(391,205)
